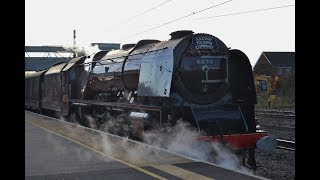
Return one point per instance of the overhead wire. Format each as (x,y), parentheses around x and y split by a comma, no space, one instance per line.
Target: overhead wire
(245,12)
(150,9)
(193,13)
(232,14)
(144,12)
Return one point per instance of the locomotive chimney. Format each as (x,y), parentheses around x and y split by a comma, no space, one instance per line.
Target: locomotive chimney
(74,43)
(179,34)
(74,38)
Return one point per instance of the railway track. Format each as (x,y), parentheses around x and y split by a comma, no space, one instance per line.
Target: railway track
(286,145)
(273,115)
(277,126)
(276,113)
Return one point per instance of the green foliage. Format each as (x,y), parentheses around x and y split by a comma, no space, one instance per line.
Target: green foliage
(285,94)
(285,101)
(262,100)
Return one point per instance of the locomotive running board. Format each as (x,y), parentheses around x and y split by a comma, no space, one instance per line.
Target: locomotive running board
(77,102)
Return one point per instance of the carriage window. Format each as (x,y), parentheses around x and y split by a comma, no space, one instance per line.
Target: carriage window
(72,75)
(63,78)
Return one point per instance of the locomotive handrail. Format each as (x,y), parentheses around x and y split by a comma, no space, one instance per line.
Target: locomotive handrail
(115,104)
(88,63)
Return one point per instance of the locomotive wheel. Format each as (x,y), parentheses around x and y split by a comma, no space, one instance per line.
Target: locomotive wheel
(248,159)
(82,116)
(67,117)
(126,133)
(124,129)
(73,117)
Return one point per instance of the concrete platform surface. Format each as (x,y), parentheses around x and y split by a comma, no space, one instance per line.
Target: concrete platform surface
(59,150)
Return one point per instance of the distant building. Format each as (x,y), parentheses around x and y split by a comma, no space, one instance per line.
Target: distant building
(275,63)
(41,63)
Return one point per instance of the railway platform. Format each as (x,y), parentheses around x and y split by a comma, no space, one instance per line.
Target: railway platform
(55,149)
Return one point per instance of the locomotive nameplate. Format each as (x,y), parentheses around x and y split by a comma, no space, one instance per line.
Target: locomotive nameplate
(156,73)
(203,42)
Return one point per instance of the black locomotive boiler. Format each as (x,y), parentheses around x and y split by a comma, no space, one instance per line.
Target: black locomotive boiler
(152,84)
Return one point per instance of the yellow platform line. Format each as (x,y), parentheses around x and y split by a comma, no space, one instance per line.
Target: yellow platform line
(102,153)
(167,168)
(179,172)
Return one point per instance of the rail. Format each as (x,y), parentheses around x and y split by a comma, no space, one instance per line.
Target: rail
(277,115)
(277,126)
(274,111)
(286,145)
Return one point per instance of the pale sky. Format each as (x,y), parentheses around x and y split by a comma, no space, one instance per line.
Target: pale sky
(51,22)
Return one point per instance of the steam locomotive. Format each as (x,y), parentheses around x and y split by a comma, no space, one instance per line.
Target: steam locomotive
(152,84)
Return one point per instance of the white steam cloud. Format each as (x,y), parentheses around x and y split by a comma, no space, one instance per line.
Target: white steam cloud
(83,51)
(180,139)
(60,149)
